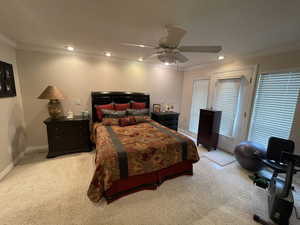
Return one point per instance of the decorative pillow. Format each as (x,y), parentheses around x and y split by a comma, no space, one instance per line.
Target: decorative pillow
(113,113)
(110,121)
(122,106)
(127,121)
(138,105)
(138,112)
(142,119)
(99,109)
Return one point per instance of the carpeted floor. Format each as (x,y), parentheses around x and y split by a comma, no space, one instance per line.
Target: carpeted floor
(53,191)
(220,157)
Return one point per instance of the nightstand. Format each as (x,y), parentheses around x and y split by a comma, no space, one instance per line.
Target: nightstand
(68,135)
(168,119)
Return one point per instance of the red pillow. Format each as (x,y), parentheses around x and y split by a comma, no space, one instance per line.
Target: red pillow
(121,106)
(99,110)
(138,105)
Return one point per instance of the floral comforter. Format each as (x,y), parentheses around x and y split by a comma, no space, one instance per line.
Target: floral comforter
(134,150)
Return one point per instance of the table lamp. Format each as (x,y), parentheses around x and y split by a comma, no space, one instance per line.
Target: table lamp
(53,94)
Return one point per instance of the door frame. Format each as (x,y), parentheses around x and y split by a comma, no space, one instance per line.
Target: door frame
(208,97)
(250,74)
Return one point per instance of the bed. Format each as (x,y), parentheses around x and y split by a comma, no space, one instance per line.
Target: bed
(136,157)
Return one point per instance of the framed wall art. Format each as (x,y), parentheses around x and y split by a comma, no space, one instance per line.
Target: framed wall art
(156,107)
(7,81)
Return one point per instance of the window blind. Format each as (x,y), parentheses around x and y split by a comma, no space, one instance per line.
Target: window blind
(227,99)
(199,101)
(274,106)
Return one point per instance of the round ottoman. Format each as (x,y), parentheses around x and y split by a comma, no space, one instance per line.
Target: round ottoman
(246,154)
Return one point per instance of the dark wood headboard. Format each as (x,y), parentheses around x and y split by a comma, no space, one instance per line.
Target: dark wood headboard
(106,97)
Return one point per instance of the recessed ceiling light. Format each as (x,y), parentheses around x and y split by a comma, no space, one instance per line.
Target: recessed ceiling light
(142,46)
(141,59)
(70,48)
(166,63)
(108,54)
(221,57)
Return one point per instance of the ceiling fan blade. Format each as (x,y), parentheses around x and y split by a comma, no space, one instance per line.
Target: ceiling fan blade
(181,58)
(152,55)
(137,45)
(175,35)
(199,48)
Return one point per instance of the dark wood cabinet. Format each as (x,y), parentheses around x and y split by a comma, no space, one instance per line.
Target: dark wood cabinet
(68,135)
(208,130)
(168,119)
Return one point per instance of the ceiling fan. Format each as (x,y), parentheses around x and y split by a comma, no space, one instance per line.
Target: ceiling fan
(168,49)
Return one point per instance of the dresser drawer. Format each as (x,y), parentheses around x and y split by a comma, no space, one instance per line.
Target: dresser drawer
(169,122)
(173,127)
(167,119)
(68,136)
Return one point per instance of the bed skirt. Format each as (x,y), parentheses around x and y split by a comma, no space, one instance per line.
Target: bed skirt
(149,181)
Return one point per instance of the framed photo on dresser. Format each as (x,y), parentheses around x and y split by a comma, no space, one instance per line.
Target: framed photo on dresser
(7,81)
(156,107)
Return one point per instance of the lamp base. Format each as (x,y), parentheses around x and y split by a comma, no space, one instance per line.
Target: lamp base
(55,109)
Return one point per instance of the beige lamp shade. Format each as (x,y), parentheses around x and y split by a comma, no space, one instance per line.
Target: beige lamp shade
(51,92)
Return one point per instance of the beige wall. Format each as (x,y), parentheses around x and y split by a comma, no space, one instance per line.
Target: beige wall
(12,127)
(277,62)
(77,76)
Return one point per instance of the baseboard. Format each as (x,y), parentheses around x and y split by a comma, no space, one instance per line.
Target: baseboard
(4,172)
(38,148)
(29,149)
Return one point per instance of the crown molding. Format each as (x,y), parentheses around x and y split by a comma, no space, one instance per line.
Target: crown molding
(286,47)
(208,64)
(7,40)
(44,49)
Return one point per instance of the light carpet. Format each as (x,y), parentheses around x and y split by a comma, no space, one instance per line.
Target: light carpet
(53,191)
(220,157)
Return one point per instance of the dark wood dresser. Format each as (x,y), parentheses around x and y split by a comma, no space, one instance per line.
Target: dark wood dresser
(208,130)
(168,119)
(68,135)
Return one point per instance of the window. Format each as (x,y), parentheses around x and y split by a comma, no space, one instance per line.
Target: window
(227,99)
(274,106)
(199,101)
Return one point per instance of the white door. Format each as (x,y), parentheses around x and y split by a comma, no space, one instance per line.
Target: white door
(233,96)
(199,101)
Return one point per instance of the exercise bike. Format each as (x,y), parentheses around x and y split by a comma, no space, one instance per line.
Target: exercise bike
(280,198)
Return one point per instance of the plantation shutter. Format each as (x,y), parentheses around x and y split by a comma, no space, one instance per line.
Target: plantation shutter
(227,99)
(199,101)
(274,106)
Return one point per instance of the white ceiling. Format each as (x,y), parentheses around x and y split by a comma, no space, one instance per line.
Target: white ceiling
(242,27)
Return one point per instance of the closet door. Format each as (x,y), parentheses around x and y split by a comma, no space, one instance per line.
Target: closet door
(199,101)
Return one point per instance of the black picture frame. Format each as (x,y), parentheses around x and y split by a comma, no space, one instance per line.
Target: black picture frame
(7,80)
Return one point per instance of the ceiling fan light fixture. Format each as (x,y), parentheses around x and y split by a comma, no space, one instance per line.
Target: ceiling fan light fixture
(70,48)
(170,52)
(108,54)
